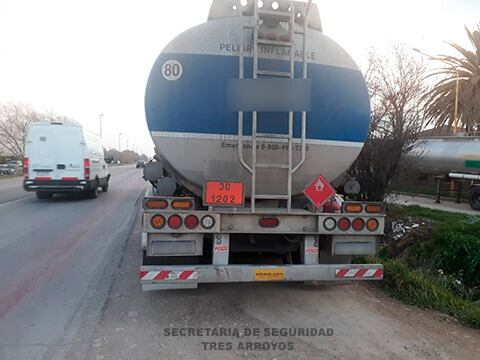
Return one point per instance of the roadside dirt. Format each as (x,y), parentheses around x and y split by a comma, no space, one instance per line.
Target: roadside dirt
(366,323)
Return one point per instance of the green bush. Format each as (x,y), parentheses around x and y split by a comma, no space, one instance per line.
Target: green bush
(458,250)
(419,288)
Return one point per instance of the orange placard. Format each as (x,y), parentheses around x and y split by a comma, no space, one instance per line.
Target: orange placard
(223,193)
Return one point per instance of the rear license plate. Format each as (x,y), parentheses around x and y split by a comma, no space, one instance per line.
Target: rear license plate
(269,274)
(224,193)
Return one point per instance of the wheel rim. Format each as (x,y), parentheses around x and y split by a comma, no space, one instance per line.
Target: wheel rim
(475,200)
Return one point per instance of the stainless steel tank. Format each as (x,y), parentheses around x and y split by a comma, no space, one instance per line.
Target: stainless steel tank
(444,155)
(196,136)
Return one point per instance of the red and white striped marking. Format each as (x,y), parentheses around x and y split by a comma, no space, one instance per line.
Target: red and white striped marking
(359,273)
(169,275)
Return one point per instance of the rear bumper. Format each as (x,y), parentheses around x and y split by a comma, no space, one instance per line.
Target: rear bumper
(171,277)
(57,185)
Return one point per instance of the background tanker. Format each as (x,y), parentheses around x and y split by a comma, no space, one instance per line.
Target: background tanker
(456,158)
(196,135)
(454,154)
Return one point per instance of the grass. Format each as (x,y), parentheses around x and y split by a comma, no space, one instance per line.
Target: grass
(430,191)
(441,273)
(422,289)
(430,214)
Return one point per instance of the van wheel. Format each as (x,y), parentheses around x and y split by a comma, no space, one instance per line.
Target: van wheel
(105,187)
(93,193)
(44,195)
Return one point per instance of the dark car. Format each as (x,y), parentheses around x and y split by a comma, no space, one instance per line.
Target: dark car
(6,169)
(141,163)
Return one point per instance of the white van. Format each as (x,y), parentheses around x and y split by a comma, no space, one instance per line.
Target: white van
(63,157)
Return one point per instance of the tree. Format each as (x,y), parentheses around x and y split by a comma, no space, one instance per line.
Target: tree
(14,122)
(396,85)
(440,100)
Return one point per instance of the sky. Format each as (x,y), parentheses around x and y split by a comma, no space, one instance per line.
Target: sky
(85,58)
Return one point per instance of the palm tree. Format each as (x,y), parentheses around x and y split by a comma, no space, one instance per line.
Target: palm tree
(462,70)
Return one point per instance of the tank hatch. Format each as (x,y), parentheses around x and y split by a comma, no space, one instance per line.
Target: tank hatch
(232,8)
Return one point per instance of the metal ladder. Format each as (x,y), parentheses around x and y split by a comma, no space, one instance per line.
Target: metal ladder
(289,18)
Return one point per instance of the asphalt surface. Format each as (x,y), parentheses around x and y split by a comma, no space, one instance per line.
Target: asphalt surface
(447,205)
(70,290)
(11,190)
(52,254)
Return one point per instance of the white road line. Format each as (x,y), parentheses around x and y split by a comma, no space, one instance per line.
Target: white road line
(15,201)
(19,185)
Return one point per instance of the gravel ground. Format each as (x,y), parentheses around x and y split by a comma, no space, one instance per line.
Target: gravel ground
(366,324)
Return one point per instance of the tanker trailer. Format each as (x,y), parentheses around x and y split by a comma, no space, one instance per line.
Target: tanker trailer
(455,157)
(253,114)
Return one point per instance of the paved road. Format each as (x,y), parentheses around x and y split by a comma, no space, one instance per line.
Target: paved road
(429,202)
(69,290)
(52,254)
(11,190)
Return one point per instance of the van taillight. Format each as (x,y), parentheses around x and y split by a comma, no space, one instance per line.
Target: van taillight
(86,168)
(25,167)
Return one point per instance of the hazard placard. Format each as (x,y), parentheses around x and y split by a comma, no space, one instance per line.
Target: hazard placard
(319,191)
(224,193)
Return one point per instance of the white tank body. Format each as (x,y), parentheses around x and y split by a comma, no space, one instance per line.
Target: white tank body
(195,134)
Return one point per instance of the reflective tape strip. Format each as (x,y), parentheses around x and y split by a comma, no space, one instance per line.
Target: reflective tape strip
(169,275)
(359,273)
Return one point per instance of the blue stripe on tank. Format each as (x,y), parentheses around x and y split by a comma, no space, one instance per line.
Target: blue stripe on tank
(197,102)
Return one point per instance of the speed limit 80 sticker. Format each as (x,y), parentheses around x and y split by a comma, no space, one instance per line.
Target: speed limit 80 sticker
(172,70)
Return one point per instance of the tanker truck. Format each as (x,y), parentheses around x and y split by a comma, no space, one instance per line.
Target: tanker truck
(254,115)
(454,157)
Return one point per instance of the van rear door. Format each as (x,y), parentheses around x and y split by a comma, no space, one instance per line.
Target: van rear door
(55,152)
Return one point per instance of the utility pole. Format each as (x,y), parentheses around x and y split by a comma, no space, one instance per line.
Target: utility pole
(127,144)
(100,118)
(456,105)
(119,142)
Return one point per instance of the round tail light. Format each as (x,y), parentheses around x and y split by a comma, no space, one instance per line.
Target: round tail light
(358,224)
(329,224)
(157,221)
(175,222)
(208,222)
(372,224)
(191,222)
(344,224)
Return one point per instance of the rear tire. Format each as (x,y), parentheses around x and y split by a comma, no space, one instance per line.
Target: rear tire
(43,195)
(474,198)
(93,192)
(105,187)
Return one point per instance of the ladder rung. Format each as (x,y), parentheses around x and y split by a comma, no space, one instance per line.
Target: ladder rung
(275,42)
(274,15)
(272,136)
(274,73)
(272,197)
(272,166)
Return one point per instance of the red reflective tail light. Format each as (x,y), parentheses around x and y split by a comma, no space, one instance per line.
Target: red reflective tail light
(174,222)
(86,168)
(269,222)
(25,167)
(358,224)
(191,222)
(344,224)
